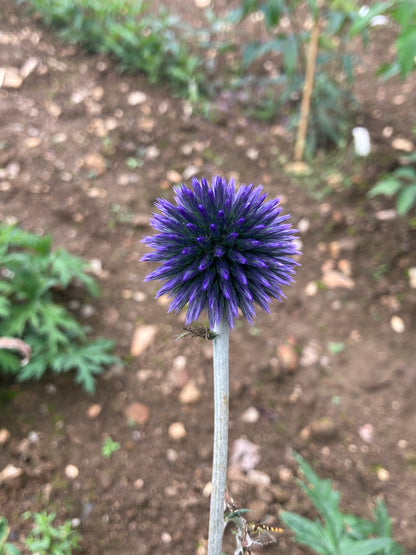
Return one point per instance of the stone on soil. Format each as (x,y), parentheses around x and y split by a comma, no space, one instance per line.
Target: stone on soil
(190,393)
(177,431)
(142,338)
(137,413)
(9,473)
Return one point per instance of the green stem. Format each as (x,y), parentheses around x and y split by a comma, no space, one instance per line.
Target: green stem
(219,465)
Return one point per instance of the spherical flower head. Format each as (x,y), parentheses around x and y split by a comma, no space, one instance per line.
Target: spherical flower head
(221,249)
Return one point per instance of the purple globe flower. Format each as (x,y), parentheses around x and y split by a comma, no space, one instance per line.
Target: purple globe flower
(221,249)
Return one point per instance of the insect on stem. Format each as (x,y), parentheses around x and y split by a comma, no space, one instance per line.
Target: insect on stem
(196,330)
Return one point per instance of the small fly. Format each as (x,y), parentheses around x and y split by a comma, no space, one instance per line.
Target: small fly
(196,330)
(262,534)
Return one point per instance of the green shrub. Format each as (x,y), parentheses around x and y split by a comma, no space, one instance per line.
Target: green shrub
(335,533)
(31,276)
(401,184)
(6,548)
(46,539)
(332,100)
(139,41)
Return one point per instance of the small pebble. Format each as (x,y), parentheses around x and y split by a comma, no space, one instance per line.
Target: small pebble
(206,492)
(250,416)
(287,357)
(166,538)
(177,431)
(173,176)
(258,478)
(10,472)
(383,475)
(397,324)
(412,277)
(4,436)
(136,97)
(366,432)
(71,471)
(190,393)
(172,455)
(311,289)
(143,337)
(137,413)
(94,410)
(285,474)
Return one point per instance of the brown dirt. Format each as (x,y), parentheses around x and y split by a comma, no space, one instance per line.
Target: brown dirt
(149,497)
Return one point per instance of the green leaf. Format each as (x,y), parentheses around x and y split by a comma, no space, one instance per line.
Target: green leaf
(363,22)
(406,172)
(358,528)
(406,199)
(9,362)
(272,13)
(388,186)
(406,47)
(11,549)
(87,360)
(307,532)
(4,530)
(68,268)
(364,547)
(325,499)
(382,521)
(15,237)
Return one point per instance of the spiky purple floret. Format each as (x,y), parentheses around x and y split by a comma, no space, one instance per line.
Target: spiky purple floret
(221,249)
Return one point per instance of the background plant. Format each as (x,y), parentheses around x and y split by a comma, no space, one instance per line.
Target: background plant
(6,548)
(47,539)
(400,183)
(32,276)
(157,44)
(335,533)
(109,447)
(285,49)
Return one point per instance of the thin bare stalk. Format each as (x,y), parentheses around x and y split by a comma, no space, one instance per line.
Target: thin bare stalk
(307,93)
(219,465)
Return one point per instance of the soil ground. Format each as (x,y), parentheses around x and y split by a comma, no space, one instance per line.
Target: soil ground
(325,373)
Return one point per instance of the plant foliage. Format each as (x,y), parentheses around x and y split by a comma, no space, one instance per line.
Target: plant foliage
(6,548)
(335,533)
(47,539)
(403,12)
(139,40)
(31,276)
(401,183)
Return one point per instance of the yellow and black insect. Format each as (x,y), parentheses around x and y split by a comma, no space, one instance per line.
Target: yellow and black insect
(196,330)
(262,534)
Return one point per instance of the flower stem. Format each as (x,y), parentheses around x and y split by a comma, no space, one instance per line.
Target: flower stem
(219,465)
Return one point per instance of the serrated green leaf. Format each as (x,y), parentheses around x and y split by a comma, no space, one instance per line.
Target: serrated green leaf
(382,521)
(406,200)
(68,268)
(306,531)
(358,528)
(15,237)
(4,307)
(388,186)
(87,360)
(9,362)
(405,172)
(406,47)
(325,499)
(4,530)
(11,549)
(364,547)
